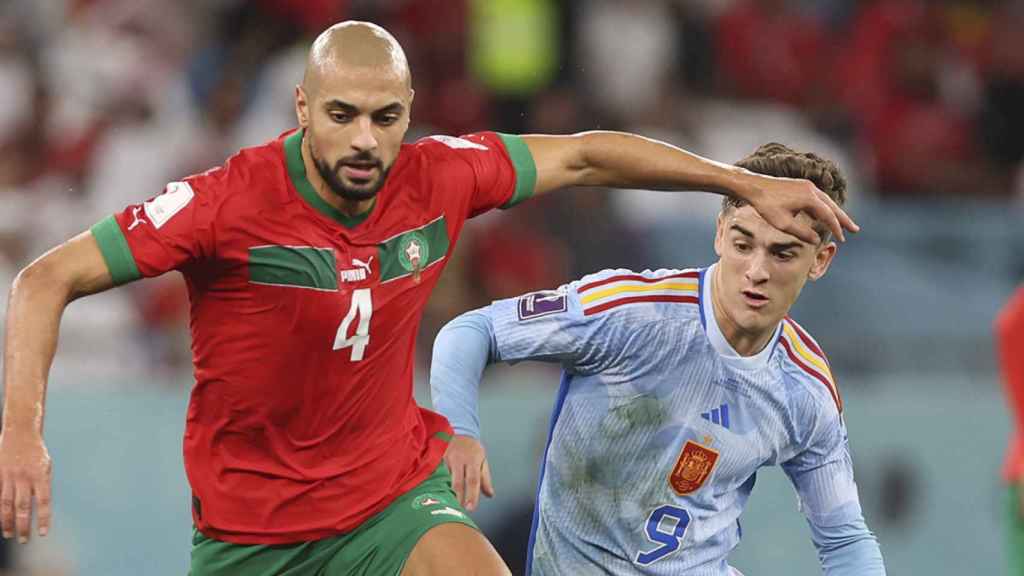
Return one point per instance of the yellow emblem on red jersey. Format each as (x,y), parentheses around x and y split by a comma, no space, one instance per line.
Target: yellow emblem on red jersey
(692,469)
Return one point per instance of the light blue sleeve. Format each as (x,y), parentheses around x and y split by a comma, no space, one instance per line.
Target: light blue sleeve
(547,326)
(822,473)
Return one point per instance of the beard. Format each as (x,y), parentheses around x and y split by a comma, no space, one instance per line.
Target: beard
(352,193)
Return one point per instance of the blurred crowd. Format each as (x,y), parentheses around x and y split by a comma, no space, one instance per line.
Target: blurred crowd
(104,101)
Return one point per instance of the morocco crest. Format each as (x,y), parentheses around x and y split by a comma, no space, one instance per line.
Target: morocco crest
(692,469)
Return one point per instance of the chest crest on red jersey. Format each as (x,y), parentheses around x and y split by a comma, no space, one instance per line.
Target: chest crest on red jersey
(411,252)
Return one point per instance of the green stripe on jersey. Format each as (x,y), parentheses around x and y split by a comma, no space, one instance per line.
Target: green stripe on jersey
(299,266)
(420,247)
(526,170)
(115,250)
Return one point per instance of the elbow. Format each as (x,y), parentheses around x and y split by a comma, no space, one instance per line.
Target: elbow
(42,274)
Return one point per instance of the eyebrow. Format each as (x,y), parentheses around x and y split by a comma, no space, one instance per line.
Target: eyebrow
(777,246)
(354,110)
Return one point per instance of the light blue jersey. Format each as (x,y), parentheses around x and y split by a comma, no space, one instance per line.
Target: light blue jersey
(659,427)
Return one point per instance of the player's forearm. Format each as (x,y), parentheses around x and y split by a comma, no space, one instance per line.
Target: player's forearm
(850,550)
(621,160)
(33,320)
(462,350)
(38,297)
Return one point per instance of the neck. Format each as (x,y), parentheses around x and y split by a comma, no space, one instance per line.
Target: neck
(744,342)
(351,208)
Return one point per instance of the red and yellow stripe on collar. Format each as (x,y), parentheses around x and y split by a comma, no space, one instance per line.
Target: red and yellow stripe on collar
(806,354)
(622,289)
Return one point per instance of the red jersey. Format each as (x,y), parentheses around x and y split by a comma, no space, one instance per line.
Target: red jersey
(1010,342)
(302,422)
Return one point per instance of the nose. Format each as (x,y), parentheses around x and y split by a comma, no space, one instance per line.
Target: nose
(364,140)
(757,270)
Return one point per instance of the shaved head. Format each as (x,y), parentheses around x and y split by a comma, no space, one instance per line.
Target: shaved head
(354,44)
(354,108)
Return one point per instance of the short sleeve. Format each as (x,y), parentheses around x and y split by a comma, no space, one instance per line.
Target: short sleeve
(167,232)
(550,326)
(497,170)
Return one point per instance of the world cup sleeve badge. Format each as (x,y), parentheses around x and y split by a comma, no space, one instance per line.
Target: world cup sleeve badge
(693,467)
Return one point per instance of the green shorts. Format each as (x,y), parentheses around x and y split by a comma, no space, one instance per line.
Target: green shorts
(378,547)
(1015,530)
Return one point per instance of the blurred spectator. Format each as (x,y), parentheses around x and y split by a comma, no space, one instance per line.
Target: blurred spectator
(628,51)
(772,50)
(1002,116)
(890,78)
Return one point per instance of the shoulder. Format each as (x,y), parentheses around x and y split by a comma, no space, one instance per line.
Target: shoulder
(805,368)
(461,150)
(248,172)
(650,294)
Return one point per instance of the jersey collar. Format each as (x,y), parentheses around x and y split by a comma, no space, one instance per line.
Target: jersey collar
(297,173)
(725,350)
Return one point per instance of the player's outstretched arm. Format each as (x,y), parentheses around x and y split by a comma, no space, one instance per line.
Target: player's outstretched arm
(620,160)
(38,297)
(462,350)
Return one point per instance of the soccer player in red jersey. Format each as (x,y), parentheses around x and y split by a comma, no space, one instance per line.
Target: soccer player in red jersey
(1010,343)
(308,261)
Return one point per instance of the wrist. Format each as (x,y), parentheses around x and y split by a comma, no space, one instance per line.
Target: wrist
(739,183)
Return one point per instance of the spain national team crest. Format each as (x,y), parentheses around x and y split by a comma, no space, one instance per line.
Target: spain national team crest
(693,468)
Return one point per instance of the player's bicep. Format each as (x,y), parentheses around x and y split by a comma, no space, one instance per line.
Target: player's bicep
(77,266)
(167,232)
(559,161)
(543,326)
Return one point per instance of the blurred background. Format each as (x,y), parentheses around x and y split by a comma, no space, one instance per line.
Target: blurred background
(104,101)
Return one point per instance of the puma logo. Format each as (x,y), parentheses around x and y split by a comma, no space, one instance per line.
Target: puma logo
(361,271)
(361,264)
(138,220)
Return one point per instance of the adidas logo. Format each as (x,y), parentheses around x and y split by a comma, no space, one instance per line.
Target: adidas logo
(718,415)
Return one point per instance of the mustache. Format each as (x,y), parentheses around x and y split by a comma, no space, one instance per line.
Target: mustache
(361,159)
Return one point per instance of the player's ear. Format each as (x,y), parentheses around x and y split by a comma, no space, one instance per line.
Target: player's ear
(301,107)
(822,260)
(720,233)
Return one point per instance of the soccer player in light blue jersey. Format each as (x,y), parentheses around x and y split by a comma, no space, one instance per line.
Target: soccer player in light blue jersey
(677,386)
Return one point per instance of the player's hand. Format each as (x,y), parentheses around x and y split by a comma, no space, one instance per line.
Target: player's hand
(780,200)
(467,460)
(25,470)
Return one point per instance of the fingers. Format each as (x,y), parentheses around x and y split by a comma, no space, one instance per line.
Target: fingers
(458,480)
(43,510)
(802,231)
(7,507)
(824,210)
(486,483)
(844,219)
(472,486)
(23,511)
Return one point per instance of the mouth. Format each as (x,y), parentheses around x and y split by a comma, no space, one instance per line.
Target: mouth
(359,172)
(754,299)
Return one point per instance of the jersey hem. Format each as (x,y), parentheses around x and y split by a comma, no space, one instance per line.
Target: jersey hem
(434,455)
(116,252)
(525,168)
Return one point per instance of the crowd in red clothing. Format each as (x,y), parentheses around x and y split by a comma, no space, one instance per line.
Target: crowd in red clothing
(102,101)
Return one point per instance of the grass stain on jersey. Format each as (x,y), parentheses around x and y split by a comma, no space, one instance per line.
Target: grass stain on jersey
(639,412)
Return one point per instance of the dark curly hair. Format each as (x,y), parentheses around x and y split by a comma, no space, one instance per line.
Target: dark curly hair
(774,159)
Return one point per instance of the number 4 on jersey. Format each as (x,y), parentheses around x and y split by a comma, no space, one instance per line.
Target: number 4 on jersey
(362,308)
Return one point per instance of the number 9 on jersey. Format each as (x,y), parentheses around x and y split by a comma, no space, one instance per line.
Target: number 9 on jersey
(665,526)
